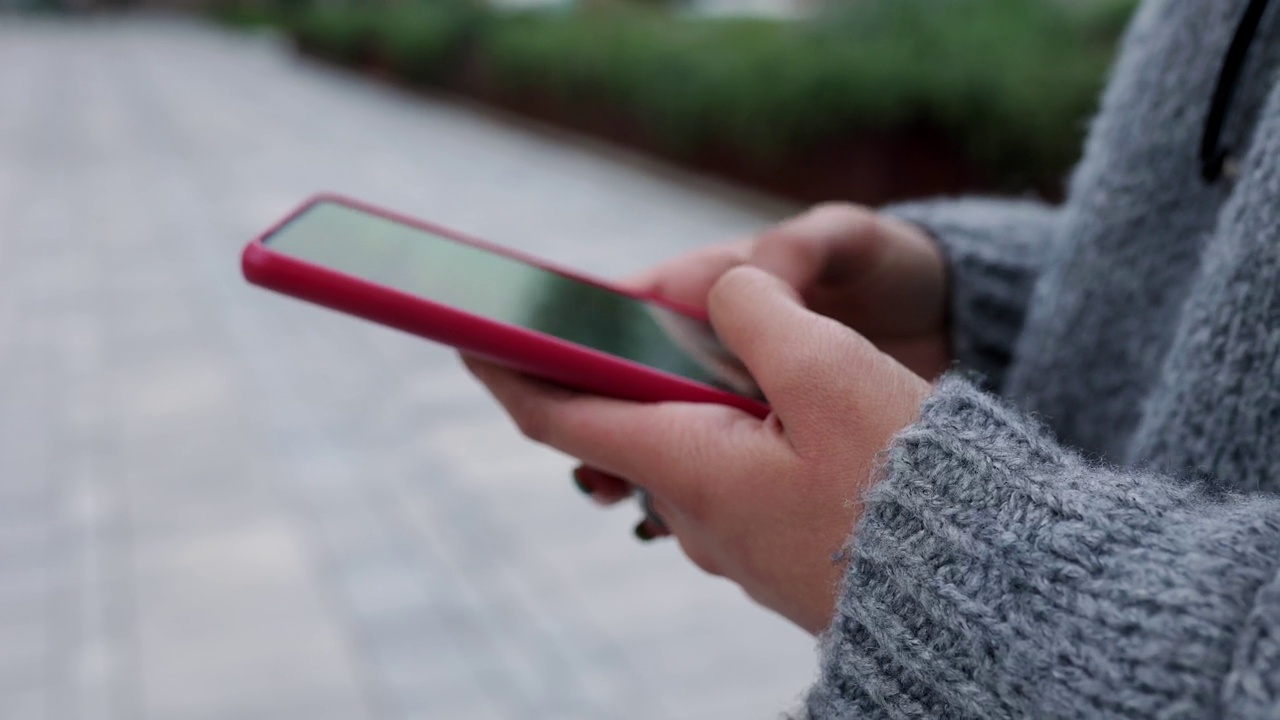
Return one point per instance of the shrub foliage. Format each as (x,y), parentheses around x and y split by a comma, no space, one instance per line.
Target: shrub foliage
(1009,82)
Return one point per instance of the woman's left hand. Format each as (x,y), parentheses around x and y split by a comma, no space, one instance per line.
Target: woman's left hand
(765,503)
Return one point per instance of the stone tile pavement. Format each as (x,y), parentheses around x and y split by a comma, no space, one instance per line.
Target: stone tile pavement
(219,503)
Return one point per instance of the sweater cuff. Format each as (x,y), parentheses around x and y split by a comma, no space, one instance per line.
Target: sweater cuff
(994,574)
(994,250)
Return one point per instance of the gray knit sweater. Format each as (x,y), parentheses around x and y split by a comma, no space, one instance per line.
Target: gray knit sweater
(1092,528)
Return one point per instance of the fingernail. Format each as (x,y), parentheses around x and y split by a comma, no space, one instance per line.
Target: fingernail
(586,489)
(643,532)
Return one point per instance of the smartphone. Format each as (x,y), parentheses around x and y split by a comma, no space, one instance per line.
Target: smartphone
(497,304)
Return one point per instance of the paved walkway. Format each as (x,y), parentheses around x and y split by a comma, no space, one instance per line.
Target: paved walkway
(219,503)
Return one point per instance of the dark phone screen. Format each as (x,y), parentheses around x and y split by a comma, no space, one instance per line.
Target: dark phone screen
(437,268)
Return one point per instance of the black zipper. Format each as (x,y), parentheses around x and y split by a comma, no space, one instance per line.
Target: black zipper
(1215,158)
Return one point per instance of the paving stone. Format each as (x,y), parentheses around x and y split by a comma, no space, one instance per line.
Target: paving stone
(232,505)
(23,703)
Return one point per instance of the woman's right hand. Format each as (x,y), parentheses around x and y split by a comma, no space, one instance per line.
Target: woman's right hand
(878,275)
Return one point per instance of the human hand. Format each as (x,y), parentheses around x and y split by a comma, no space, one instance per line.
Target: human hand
(874,273)
(765,503)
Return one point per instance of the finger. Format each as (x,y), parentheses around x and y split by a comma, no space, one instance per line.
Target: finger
(850,263)
(602,487)
(828,244)
(647,530)
(673,449)
(811,368)
(513,390)
(666,516)
(607,489)
(688,279)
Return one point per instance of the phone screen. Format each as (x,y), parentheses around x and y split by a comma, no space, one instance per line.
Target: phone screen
(437,268)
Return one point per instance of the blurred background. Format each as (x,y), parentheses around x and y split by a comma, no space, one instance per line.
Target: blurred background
(220,503)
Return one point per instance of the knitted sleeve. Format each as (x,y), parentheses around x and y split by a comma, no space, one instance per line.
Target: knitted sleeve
(994,251)
(997,575)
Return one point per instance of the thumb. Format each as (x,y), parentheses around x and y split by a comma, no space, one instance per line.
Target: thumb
(809,366)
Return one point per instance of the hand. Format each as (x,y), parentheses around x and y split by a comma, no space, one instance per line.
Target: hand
(878,275)
(765,503)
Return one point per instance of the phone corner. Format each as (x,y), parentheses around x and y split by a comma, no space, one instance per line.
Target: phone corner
(252,261)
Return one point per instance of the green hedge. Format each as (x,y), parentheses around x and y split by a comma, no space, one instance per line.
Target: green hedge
(342,33)
(256,13)
(1010,82)
(426,42)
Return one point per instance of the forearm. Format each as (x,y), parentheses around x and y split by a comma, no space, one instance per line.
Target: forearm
(995,574)
(995,250)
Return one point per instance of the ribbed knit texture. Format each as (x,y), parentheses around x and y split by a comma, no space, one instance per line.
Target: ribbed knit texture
(1099,537)
(997,575)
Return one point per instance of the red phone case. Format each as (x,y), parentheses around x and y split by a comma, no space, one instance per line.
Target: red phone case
(525,350)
